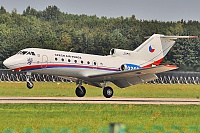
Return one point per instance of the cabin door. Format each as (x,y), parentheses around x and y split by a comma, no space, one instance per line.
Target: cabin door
(44,61)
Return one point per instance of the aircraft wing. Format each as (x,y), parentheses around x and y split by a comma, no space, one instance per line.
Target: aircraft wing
(124,79)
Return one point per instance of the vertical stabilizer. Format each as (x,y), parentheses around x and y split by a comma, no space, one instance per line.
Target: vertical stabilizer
(155,48)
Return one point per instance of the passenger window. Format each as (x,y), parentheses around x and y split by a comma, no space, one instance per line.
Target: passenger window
(88,62)
(62,59)
(56,59)
(69,60)
(75,61)
(81,62)
(95,63)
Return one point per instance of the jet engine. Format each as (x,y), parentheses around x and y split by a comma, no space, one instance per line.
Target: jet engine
(126,67)
(120,52)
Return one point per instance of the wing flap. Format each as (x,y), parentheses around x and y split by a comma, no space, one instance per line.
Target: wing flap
(126,82)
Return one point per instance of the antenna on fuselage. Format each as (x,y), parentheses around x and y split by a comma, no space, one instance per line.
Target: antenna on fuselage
(71,49)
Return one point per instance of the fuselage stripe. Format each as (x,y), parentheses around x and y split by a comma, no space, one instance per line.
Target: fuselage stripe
(45,66)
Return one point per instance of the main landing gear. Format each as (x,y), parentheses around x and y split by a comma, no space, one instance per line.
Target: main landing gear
(108,92)
(80,90)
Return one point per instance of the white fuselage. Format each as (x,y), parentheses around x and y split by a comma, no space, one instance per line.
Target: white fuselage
(66,64)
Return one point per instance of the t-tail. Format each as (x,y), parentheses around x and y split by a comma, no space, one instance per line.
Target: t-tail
(155,48)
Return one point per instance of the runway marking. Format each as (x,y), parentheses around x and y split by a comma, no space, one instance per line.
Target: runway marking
(98,100)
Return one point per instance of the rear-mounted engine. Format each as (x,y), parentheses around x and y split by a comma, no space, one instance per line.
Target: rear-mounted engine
(126,67)
(120,52)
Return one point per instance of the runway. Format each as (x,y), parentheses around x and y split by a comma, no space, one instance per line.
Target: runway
(100,100)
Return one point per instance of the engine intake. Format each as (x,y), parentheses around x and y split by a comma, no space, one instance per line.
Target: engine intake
(126,67)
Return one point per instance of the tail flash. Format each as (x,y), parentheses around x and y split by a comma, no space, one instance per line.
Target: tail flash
(155,48)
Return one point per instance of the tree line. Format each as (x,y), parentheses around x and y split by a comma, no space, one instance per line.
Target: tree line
(53,29)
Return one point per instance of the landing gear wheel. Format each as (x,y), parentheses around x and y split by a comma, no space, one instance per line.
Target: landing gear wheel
(80,91)
(108,92)
(30,84)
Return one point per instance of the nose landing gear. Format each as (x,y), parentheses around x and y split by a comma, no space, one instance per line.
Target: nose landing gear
(29,82)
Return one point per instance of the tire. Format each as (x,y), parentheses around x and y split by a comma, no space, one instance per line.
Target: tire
(108,92)
(80,91)
(30,84)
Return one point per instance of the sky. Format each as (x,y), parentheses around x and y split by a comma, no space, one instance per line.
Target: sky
(162,10)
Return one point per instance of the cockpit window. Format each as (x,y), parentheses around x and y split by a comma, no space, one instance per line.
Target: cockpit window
(26,53)
(32,53)
(22,52)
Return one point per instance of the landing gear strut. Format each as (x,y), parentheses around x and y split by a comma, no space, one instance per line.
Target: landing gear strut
(29,82)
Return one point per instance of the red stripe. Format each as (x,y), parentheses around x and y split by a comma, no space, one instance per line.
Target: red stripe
(154,63)
(26,68)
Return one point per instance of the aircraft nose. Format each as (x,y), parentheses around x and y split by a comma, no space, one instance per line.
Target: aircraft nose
(7,62)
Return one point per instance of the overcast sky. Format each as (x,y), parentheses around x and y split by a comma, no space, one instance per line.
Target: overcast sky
(163,10)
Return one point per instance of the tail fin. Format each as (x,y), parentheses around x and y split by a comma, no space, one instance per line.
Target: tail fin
(155,48)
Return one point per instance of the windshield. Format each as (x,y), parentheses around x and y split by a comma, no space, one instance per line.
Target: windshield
(26,53)
(22,52)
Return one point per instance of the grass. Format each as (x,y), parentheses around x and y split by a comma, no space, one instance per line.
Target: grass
(68,90)
(96,117)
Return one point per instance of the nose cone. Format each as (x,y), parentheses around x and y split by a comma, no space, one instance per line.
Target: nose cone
(8,62)
(14,62)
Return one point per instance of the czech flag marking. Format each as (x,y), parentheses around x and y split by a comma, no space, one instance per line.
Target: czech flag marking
(151,49)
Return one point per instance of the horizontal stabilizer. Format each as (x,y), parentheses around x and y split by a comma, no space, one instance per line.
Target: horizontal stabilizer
(176,37)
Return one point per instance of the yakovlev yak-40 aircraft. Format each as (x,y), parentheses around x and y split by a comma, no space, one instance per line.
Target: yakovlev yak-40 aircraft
(122,67)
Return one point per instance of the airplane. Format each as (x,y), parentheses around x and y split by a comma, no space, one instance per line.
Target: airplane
(123,68)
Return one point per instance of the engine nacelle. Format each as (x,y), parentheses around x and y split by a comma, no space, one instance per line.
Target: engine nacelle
(126,67)
(120,52)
